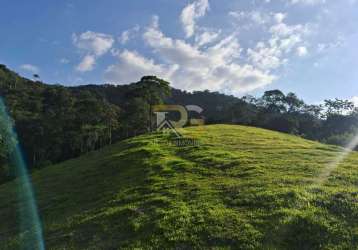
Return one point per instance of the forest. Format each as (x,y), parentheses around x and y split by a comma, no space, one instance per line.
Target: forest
(55,123)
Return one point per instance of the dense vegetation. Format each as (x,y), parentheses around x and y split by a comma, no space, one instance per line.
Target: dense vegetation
(237,190)
(333,122)
(55,123)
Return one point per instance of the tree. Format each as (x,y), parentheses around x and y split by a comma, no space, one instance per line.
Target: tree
(294,104)
(149,91)
(274,101)
(243,112)
(338,107)
(36,76)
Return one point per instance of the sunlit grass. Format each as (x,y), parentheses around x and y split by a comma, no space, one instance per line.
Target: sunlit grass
(241,188)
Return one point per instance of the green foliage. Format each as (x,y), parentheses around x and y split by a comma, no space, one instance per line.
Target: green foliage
(277,111)
(338,106)
(55,123)
(241,188)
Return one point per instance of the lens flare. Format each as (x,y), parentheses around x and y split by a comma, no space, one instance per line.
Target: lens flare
(327,171)
(30,224)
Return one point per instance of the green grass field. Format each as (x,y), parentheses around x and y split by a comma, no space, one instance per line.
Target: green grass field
(241,188)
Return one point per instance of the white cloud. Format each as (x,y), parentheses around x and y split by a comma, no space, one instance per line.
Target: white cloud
(87,63)
(308,2)
(254,17)
(301,51)
(206,37)
(279,17)
(191,13)
(30,68)
(265,57)
(275,52)
(128,34)
(94,44)
(324,47)
(173,51)
(214,59)
(237,14)
(124,38)
(188,66)
(281,29)
(132,66)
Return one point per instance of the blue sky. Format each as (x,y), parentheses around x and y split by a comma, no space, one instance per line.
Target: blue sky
(232,46)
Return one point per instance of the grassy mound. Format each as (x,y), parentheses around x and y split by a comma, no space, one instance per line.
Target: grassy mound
(240,188)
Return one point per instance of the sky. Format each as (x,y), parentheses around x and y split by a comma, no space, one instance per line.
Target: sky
(235,47)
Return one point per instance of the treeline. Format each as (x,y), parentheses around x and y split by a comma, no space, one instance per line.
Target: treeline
(55,123)
(333,121)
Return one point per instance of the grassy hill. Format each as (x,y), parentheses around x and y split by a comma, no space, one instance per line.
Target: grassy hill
(241,188)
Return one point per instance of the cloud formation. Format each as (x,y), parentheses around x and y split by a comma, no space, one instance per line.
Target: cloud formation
(216,59)
(308,2)
(94,45)
(128,34)
(283,40)
(301,51)
(132,66)
(87,63)
(191,13)
(189,66)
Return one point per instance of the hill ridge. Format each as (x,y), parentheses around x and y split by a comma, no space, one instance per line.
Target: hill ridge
(236,190)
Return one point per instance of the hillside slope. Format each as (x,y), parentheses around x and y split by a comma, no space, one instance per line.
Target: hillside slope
(241,188)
